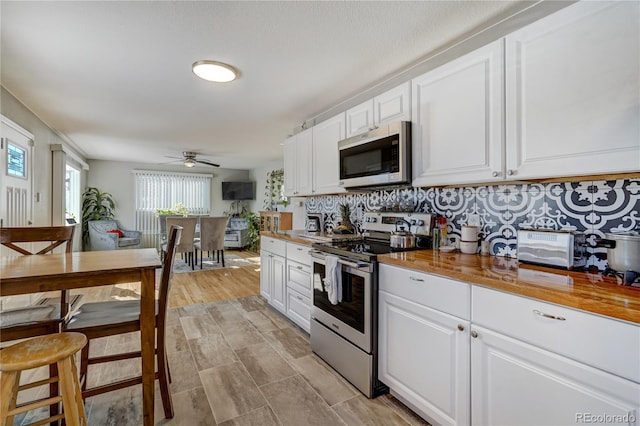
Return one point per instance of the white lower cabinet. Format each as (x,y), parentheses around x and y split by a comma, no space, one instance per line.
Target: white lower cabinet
(536,363)
(515,383)
(285,279)
(465,354)
(299,292)
(424,352)
(272,272)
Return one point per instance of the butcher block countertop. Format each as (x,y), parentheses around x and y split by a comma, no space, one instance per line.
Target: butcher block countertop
(589,292)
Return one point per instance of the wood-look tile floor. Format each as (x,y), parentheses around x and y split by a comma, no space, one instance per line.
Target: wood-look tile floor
(235,361)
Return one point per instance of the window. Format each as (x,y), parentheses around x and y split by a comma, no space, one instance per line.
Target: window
(72,195)
(162,190)
(16,161)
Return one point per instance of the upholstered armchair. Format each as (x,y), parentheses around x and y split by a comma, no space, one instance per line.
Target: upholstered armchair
(109,235)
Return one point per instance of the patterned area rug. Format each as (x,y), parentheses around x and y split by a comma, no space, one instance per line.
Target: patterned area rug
(230,261)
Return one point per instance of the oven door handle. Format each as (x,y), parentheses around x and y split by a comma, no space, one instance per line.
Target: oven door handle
(318,255)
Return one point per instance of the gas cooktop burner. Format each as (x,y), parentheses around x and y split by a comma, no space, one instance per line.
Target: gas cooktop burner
(627,277)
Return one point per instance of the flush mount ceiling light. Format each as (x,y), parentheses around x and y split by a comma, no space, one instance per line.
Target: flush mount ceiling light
(214,71)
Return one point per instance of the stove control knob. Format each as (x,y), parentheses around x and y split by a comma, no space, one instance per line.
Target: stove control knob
(413,222)
(420,222)
(373,220)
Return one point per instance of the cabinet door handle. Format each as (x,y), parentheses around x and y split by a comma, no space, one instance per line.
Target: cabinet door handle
(299,267)
(416,279)
(474,334)
(542,314)
(299,298)
(511,172)
(460,327)
(495,174)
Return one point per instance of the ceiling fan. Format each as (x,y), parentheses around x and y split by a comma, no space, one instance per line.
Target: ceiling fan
(189,159)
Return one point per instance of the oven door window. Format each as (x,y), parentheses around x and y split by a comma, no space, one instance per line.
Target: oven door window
(371,158)
(351,310)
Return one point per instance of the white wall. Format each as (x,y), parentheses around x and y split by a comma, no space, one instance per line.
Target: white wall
(117,178)
(296,205)
(44,136)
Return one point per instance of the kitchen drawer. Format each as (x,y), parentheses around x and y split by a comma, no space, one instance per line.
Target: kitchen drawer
(299,253)
(299,309)
(274,245)
(299,277)
(604,343)
(444,294)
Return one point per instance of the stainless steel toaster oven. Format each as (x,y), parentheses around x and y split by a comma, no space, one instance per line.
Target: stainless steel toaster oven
(564,249)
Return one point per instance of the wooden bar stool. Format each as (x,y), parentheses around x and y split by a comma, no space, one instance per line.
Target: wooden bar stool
(38,352)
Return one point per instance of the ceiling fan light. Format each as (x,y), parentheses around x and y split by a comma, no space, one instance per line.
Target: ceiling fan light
(190,162)
(214,71)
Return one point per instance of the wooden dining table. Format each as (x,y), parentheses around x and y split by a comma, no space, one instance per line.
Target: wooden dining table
(51,272)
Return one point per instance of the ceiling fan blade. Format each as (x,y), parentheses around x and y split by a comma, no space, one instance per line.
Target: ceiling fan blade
(172,161)
(177,158)
(207,162)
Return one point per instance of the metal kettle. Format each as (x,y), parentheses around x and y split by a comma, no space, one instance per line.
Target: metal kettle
(401,239)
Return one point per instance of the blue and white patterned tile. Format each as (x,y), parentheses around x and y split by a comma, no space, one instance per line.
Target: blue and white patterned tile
(494,218)
(425,200)
(568,206)
(616,207)
(455,204)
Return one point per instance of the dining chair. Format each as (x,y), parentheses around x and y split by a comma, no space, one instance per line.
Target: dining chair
(212,230)
(186,246)
(102,319)
(47,316)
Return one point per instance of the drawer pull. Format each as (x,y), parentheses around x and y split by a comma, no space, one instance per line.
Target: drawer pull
(299,267)
(299,249)
(420,280)
(542,314)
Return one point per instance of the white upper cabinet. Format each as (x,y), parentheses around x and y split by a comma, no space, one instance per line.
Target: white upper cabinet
(457,120)
(392,105)
(326,161)
(298,172)
(573,92)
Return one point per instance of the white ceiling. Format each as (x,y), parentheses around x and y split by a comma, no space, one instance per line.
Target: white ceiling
(115,77)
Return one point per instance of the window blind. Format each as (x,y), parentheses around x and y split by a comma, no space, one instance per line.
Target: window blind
(162,190)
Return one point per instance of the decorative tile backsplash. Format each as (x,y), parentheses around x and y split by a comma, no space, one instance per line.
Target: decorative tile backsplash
(592,207)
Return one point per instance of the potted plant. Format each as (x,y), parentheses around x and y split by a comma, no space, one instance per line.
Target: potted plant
(253,229)
(96,205)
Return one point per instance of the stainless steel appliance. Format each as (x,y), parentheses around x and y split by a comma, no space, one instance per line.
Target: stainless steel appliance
(379,157)
(623,253)
(563,249)
(344,334)
(313,222)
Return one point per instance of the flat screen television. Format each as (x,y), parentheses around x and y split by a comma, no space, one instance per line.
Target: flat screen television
(238,191)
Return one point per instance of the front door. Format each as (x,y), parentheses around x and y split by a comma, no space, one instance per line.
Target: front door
(16,166)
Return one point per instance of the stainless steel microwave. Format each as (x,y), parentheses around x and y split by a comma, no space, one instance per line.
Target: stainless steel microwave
(379,157)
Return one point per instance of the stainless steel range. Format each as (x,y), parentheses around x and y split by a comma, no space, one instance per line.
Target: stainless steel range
(344,316)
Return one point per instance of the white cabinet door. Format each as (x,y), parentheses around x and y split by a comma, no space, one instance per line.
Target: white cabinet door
(393,105)
(458,121)
(326,161)
(573,92)
(265,274)
(278,283)
(298,172)
(359,118)
(514,383)
(424,358)
(290,169)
